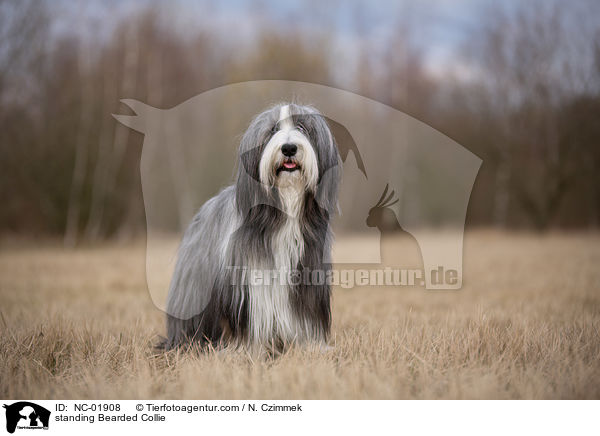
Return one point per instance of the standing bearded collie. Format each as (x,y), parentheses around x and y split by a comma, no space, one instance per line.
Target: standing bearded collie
(274,219)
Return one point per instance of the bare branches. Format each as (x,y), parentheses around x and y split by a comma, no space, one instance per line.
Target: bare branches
(522,92)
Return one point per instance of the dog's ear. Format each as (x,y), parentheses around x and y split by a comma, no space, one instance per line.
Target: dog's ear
(249,190)
(329,162)
(250,161)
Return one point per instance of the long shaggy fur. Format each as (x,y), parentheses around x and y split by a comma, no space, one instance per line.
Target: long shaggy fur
(268,220)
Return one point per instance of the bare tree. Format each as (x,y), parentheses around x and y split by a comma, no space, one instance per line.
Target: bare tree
(81,144)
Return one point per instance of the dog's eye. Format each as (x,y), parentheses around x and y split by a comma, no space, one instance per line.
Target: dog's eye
(275,128)
(301,128)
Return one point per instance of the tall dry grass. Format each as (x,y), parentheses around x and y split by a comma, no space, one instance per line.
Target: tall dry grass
(80,324)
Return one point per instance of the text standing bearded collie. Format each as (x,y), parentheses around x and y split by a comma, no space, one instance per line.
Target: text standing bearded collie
(276,217)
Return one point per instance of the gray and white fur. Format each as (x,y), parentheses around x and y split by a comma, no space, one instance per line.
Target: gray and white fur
(275,217)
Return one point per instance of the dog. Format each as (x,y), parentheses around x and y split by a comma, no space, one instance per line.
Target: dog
(274,218)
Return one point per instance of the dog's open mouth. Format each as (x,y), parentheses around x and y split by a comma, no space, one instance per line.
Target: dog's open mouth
(288,166)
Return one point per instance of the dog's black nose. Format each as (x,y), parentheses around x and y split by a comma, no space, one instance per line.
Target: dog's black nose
(289,149)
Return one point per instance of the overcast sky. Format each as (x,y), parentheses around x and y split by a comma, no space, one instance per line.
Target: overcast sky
(437,27)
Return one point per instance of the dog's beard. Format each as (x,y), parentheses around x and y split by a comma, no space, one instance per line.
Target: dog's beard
(300,170)
(289,173)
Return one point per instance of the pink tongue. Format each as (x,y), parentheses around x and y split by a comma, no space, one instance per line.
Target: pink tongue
(289,165)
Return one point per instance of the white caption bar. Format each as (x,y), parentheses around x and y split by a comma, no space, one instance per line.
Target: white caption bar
(300,417)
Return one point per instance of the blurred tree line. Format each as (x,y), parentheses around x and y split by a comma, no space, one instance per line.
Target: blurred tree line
(530,109)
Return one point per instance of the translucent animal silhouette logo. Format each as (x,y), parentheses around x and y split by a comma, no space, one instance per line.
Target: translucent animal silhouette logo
(190,152)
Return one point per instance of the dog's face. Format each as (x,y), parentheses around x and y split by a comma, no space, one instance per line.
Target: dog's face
(288,144)
(289,156)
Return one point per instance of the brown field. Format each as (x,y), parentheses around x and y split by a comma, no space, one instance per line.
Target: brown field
(80,324)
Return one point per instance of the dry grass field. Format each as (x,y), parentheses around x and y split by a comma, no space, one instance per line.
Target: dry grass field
(80,324)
